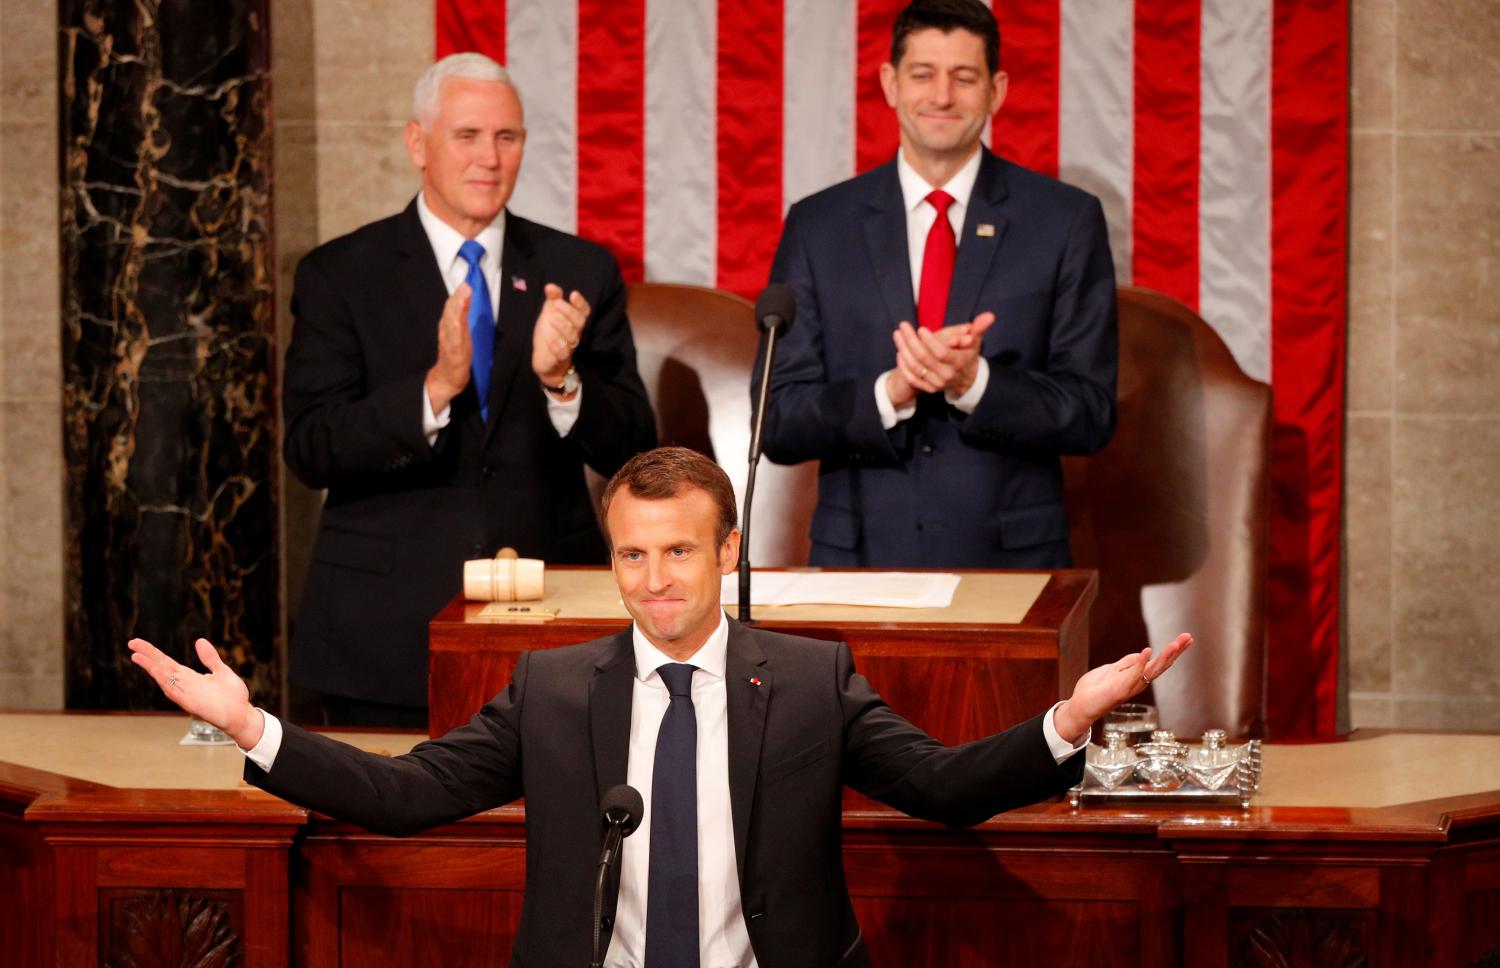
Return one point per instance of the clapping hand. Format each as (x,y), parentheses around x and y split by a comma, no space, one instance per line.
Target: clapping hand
(450,374)
(946,361)
(559,327)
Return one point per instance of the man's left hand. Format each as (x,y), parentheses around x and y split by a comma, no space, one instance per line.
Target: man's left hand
(559,327)
(1104,688)
(946,361)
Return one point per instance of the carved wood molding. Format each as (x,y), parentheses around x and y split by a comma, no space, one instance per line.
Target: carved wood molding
(170,929)
(1283,938)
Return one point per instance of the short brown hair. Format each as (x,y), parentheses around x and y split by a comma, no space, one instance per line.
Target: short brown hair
(662,473)
(948,16)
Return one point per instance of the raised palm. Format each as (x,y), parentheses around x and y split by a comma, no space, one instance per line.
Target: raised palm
(220,697)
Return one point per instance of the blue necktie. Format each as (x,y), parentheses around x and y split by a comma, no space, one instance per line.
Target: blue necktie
(672,884)
(481,323)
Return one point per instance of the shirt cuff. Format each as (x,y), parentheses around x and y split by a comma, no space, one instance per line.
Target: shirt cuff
(969,402)
(563,414)
(263,754)
(1056,745)
(432,423)
(889,414)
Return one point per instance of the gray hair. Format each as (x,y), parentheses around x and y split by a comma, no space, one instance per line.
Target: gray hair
(475,67)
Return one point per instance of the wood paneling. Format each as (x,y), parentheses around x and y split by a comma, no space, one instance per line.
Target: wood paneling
(94,875)
(423,926)
(958,681)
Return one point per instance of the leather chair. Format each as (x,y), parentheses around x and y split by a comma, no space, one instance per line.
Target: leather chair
(1173,515)
(695,349)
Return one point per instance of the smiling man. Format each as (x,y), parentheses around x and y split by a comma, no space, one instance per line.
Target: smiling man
(451,371)
(955,327)
(739,741)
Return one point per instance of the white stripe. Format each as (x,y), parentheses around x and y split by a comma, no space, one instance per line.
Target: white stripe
(1096,118)
(681,135)
(1234,186)
(541,40)
(818,78)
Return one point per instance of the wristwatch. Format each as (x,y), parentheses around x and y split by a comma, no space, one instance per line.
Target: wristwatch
(568,386)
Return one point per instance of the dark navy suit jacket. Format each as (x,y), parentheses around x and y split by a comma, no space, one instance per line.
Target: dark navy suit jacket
(401,516)
(802,725)
(944,488)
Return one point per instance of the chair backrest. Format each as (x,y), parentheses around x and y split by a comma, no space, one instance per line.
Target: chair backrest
(1173,515)
(695,349)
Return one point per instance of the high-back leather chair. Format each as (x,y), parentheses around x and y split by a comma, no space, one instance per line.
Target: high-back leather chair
(695,349)
(1173,515)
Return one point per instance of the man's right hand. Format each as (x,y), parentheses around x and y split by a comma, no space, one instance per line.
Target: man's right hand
(450,374)
(935,362)
(219,698)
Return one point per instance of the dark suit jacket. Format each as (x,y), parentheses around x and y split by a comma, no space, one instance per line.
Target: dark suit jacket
(945,489)
(559,736)
(400,516)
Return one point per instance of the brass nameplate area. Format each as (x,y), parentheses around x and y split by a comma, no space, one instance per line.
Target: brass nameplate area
(521,614)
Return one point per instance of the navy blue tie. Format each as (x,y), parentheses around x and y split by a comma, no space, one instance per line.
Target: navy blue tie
(672,885)
(481,323)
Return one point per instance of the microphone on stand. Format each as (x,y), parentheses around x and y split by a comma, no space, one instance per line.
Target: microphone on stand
(622,814)
(774,312)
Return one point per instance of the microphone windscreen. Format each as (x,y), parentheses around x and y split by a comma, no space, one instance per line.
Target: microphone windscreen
(776,307)
(623,806)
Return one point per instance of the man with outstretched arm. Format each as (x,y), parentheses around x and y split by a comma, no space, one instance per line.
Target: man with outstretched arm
(739,740)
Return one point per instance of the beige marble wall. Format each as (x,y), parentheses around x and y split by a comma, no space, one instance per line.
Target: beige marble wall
(1422,506)
(31,469)
(342,72)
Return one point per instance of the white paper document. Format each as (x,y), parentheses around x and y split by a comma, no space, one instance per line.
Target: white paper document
(894,589)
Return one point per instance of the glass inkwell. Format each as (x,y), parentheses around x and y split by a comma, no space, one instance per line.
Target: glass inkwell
(1111,764)
(1213,764)
(1161,762)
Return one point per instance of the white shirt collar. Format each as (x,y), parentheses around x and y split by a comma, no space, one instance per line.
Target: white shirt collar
(446,240)
(710,658)
(914,187)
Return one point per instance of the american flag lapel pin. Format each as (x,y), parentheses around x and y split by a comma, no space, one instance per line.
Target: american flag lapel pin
(984,230)
(755,680)
(518,283)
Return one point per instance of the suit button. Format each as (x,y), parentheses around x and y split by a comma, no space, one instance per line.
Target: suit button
(927,450)
(606,922)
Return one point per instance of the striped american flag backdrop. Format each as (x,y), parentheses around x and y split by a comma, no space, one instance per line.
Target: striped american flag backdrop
(677,132)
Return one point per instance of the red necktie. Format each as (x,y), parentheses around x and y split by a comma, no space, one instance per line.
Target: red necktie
(937,265)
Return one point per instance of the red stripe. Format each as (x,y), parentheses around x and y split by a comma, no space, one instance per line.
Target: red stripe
(611,129)
(465,25)
(1309,253)
(1164,214)
(1025,129)
(875,133)
(749,142)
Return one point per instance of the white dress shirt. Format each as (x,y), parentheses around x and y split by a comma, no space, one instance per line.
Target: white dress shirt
(446,241)
(723,939)
(920,214)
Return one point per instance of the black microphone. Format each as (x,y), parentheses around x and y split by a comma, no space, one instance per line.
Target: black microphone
(622,813)
(774,312)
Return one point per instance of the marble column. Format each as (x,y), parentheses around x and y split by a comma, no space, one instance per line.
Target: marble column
(168,340)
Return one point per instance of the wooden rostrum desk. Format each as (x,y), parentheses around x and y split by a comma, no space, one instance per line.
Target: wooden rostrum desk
(1382,849)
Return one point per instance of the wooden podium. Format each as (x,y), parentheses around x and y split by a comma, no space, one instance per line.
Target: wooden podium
(119,846)
(1010,645)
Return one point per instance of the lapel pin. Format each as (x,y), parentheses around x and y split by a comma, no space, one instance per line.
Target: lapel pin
(755,680)
(984,230)
(518,283)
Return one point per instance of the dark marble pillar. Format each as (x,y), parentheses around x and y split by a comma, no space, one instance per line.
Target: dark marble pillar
(169,341)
